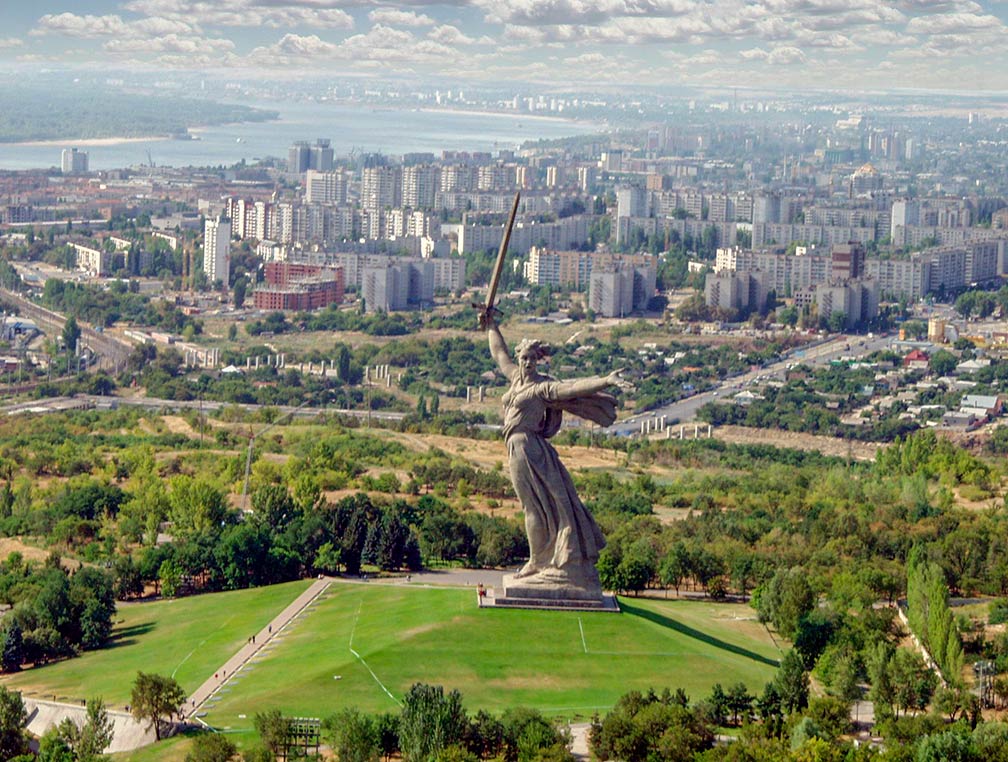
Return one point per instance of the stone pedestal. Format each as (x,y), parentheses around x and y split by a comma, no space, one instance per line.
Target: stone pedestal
(535,592)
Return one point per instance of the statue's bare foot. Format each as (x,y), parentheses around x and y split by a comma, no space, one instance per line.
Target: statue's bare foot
(526,571)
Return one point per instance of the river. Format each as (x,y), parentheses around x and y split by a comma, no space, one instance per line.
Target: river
(351,128)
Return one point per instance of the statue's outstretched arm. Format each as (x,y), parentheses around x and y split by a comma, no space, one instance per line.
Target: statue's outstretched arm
(499,350)
(582,387)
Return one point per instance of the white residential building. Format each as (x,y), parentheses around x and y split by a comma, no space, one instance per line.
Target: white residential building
(217,250)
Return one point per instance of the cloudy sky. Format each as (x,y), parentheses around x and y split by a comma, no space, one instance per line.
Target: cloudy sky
(929,44)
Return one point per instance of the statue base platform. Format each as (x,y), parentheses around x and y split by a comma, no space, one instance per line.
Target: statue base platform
(529,593)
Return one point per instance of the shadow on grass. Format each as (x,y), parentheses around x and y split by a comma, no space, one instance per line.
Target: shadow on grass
(127,635)
(703,637)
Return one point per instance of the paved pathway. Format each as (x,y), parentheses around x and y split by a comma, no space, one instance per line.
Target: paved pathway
(447,578)
(234,665)
(127,733)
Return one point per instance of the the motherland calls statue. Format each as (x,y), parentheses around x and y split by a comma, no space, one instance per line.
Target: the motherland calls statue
(564,540)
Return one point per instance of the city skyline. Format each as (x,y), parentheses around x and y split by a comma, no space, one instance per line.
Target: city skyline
(943,45)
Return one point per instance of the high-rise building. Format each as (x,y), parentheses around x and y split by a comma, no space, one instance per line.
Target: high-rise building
(298,157)
(848,260)
(217,249)
(74,162)
(325,187)
(320,156)
(381,187)
(419,184)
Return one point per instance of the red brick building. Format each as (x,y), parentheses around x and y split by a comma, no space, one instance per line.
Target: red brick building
(294,286)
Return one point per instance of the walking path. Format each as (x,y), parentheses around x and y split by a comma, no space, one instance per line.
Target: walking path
(233,665)
(127,733)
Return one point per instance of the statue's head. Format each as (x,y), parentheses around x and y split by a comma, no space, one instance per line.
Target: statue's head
(528,353)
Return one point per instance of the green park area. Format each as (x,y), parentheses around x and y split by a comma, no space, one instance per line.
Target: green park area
(364,644)
(564,663)
(188,638)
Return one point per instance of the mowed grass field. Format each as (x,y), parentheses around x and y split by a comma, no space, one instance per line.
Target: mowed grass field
(364,644)
(188,638)
(565,663)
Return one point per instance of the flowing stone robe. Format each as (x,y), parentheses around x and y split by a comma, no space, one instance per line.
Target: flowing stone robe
(564,540)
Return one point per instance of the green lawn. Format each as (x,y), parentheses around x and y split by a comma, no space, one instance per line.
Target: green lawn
(188,638)
(566,663)
(496,658)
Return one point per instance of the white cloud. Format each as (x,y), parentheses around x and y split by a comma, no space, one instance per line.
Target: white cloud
(967,6)
(833,40)
(550,12)
(296,46)
(157,25)
(587,59)
(786,55)
(380,47)
(244,13)
(780,56)
(395,17)
(72,25)
(172,44)
(10,42)
(704,58)
(449,35)
(952,23)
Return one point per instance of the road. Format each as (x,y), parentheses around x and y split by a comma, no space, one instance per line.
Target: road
(819,353)
(57,404)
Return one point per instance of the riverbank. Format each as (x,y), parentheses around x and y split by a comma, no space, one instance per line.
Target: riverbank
(85,142)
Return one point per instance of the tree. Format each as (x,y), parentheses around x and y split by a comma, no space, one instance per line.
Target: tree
(342,362)
(13,718)
(240,287)
(718,704)
(89,740)
(430,722)
(791,682)
(836,322)
(196,507)
(71,333)
(53,747)
(785,600)
(13,648)
(739,702)
(97,732)
(212,747)
(155,696)
(637,566)
(942,362)
(353,736)
(674,566)
(272,728)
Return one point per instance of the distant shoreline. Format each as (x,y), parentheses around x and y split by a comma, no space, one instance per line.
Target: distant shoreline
(77,142)
(511,114)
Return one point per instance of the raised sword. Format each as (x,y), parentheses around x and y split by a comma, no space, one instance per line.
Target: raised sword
(487,310)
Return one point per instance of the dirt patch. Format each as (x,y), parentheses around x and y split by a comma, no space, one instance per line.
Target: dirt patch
(489,453)
(833,446)
(10,545)
(536,682)
(422,629)
(178,425)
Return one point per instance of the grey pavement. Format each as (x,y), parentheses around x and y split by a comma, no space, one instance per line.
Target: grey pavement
(449,578)
(233,666)
(127,733)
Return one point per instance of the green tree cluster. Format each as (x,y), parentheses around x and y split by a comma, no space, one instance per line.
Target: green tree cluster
(930,616)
